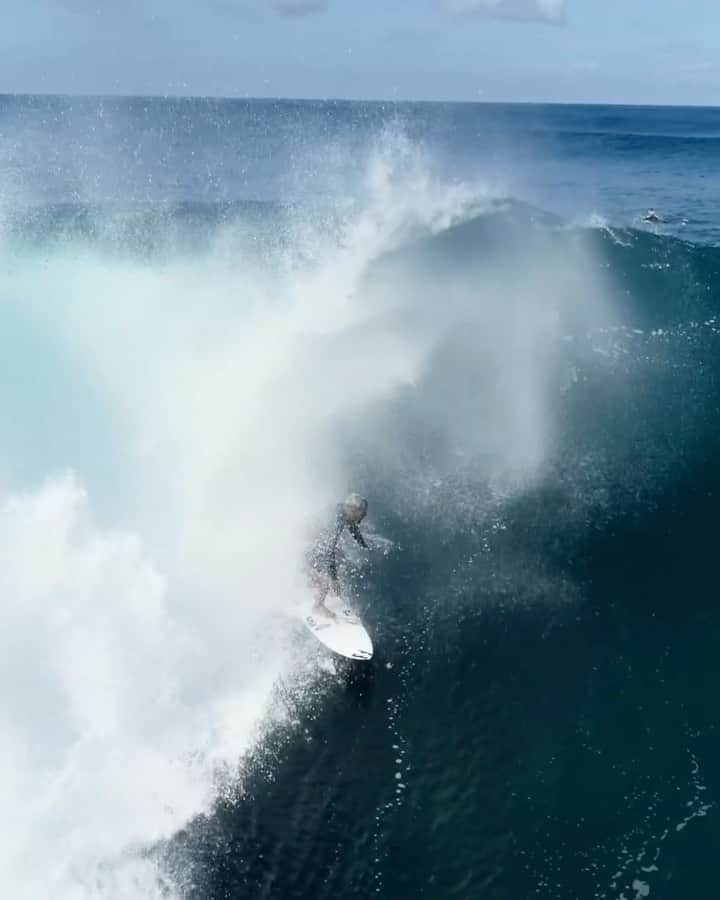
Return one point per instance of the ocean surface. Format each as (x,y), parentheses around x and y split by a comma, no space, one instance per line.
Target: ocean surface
(217,318)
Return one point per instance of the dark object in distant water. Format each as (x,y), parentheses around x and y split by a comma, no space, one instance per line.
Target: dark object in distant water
(652,216)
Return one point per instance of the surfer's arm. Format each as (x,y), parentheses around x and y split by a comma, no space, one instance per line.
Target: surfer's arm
(357,534)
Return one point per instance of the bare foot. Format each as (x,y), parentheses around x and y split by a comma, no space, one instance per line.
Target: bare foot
(322,610)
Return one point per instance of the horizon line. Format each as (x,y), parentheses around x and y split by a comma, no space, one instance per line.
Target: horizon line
(371,100)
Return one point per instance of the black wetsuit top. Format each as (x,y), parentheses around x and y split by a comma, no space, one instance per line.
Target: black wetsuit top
(323,553)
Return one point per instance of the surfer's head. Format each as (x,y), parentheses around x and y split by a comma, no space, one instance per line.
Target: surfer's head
(355,507)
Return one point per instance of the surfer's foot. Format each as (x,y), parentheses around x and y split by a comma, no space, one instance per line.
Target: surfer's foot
(322,610)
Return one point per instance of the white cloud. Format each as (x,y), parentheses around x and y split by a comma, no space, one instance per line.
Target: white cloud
(549,11)
(299,7)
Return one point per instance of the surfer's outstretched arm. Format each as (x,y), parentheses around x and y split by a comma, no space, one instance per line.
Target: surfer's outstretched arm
(357,534)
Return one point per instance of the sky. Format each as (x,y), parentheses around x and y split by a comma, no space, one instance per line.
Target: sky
(568,51)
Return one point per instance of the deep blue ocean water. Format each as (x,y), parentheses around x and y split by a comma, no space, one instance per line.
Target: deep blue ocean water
(524,378)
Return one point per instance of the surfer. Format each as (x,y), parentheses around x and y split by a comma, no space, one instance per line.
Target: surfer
(322,555)
(652,216)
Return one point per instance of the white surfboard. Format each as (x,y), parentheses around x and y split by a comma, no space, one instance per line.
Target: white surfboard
(345,635)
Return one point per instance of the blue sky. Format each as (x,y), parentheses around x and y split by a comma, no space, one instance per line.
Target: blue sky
(618,51)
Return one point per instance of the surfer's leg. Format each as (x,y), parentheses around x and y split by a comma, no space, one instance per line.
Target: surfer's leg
(321,584)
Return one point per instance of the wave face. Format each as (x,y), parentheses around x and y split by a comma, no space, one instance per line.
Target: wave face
(220,317)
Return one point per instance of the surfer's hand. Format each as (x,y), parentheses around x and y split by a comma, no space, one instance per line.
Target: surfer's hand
(379,545)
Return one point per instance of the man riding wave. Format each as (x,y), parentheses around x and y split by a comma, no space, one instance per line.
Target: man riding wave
(322,559)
